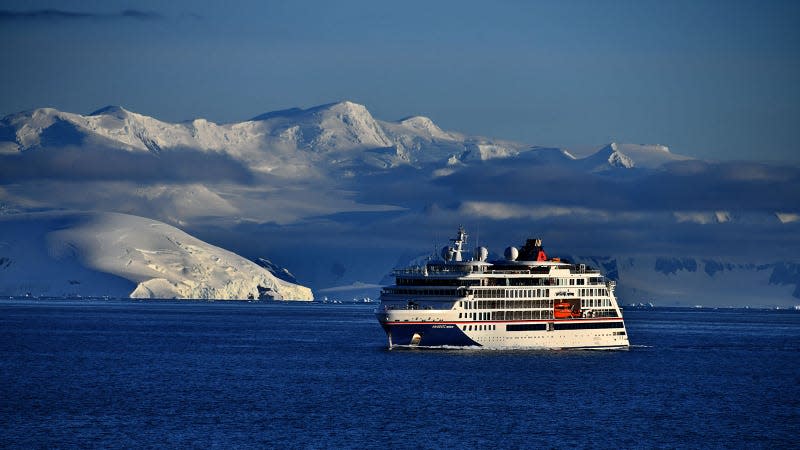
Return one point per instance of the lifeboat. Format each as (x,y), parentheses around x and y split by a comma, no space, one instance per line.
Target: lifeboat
(564,310)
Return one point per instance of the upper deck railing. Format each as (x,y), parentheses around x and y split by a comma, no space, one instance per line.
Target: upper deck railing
(434,270)
(466,269)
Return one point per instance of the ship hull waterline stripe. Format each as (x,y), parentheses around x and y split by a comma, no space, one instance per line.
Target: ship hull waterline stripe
(433,335)
(450,335)
(490,322)
(509,347)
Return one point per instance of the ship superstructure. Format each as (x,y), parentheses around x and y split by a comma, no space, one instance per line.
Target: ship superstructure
(525,300)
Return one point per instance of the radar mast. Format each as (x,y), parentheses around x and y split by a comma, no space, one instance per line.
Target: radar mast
(458,242)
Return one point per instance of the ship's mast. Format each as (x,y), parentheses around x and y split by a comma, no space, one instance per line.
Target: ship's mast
(458,242)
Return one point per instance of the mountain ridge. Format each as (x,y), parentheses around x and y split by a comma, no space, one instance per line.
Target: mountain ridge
(343,130)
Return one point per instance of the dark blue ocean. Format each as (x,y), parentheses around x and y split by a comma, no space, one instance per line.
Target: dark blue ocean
(239,375)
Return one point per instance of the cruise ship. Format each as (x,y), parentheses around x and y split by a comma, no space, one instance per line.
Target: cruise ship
(526,301)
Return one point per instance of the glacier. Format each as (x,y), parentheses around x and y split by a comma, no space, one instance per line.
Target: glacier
(65,254)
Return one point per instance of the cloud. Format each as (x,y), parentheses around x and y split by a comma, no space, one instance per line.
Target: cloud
(139,14)
(701,217)
(503,211)
(681,187)
(53,15)
(722,216)
(788,217)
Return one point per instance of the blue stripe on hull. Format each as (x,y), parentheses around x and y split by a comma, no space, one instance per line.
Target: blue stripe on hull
(433,334)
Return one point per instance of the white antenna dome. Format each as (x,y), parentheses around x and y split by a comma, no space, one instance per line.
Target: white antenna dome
(511,253)
(481,253)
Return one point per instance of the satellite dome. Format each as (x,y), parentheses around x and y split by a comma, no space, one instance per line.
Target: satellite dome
(481,253)
(511,253)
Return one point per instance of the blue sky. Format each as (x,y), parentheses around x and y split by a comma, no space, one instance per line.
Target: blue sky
(712,79)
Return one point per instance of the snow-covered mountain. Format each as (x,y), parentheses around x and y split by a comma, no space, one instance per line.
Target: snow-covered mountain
(629,156)
(109,254)
(688,281)
(337,195)
(334,127)
(550,156)
(343,135)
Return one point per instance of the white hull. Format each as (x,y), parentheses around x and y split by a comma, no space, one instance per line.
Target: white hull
(541,334)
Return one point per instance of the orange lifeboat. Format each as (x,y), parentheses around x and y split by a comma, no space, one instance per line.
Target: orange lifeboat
(562,310)
(565,310)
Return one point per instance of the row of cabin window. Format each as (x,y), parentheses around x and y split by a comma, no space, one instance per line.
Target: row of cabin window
(479,327)
(508,315)
(511,293)
(506,304)
(596,302)
(443,292)
(528,304)
(543,327)
(531,293)
(436,282)
(542,281)
(527,314)
(593,292)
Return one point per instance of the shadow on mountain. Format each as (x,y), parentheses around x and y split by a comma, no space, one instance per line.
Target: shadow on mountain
(7,133)
(97,163)
(679,186)
(61,134)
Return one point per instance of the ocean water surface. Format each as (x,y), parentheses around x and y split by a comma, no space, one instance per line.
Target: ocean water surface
(237,375)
